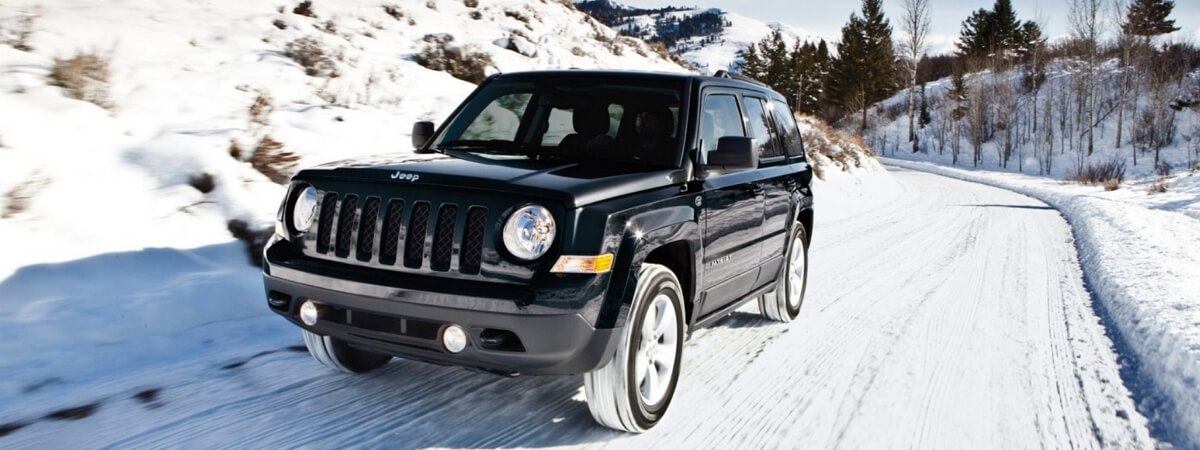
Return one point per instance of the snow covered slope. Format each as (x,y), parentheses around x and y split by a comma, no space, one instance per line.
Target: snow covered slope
(707,52)
(77,179)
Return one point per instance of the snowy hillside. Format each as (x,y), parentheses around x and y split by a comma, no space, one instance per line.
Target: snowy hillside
(709,47)
(187,82)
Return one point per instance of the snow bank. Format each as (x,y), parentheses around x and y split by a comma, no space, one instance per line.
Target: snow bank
(1143,266)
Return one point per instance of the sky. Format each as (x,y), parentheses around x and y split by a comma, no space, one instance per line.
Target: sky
(824,18)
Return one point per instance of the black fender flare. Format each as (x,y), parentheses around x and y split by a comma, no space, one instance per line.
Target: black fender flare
(644,232)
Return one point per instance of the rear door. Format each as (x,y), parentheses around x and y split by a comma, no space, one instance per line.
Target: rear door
(733,209)
(773,170)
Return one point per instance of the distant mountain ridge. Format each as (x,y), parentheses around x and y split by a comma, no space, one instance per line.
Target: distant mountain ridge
(708,39)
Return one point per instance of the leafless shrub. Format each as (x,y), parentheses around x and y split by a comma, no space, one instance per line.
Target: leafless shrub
(255,238)
(305,8)
(660,48)
(578,52)
(1099,173)
(394,11)
(516,15)
(466,63)
(1112,184)
(235,150)
(822,142)
(431,5)
(471,3)
(203,182)
(1163,169)
(21,33)
(260,111)
(19,196)
(476,15)
(308,53)
(280,24)
(272,160)
(1159,186)
(330,27)
(84,76)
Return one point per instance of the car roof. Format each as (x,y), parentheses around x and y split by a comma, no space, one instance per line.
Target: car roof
(641,74)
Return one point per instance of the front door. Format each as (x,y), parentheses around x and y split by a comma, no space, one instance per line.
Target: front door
(733,212)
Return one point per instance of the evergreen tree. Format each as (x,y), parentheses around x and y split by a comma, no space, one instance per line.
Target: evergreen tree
(1148,18)
(881,55)
(864,71)
(1006,30)
(750,63)
(988,33)
(976,37)
(924,118)
(958,94)
(1031,39)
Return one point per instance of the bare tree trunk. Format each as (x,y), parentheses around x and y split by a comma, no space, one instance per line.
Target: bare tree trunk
(1086,26)
(915,25)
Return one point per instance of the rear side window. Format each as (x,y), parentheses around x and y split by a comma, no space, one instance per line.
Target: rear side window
(720,118)
(759,122)
(789,133)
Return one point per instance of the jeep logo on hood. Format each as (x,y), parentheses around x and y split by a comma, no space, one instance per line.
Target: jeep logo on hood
(404,176)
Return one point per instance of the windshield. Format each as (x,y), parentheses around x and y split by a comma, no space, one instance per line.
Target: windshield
(588,119)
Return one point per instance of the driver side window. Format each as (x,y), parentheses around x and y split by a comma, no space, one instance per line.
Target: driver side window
(720,118)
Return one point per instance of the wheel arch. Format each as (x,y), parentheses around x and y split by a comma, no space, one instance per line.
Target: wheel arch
(805,218)
(667,235)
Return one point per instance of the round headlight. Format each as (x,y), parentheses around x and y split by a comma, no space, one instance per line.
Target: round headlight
(529,232)
(304,209)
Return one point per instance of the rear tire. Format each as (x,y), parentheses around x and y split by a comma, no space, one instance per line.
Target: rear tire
(628,393)
(783,304)
(337,355)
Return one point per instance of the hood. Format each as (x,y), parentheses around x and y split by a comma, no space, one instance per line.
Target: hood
(574,183)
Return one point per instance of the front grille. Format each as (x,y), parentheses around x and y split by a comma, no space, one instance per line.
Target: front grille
(367,231)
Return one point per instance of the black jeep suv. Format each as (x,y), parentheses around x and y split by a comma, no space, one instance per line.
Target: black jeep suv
(559,222)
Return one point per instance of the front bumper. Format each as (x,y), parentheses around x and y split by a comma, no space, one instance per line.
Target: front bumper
(408,323)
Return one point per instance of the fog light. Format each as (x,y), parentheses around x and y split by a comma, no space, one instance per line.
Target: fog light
(309,313)
(454,338)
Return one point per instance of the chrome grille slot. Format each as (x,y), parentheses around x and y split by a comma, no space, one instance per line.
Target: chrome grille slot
(390,240)
(471,253)
(345,225)
(414,242)
(366,229)
(443,238)
(328,209)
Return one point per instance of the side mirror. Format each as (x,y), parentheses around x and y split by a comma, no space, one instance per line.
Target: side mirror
(421,133)
(732,153)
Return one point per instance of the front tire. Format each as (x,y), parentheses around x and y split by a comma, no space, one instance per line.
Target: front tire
(337,355)
(632,392)
(783,304)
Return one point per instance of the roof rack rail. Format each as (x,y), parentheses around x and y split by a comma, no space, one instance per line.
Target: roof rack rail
(737,76)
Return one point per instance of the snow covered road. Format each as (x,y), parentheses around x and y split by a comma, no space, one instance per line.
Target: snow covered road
(940,314)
